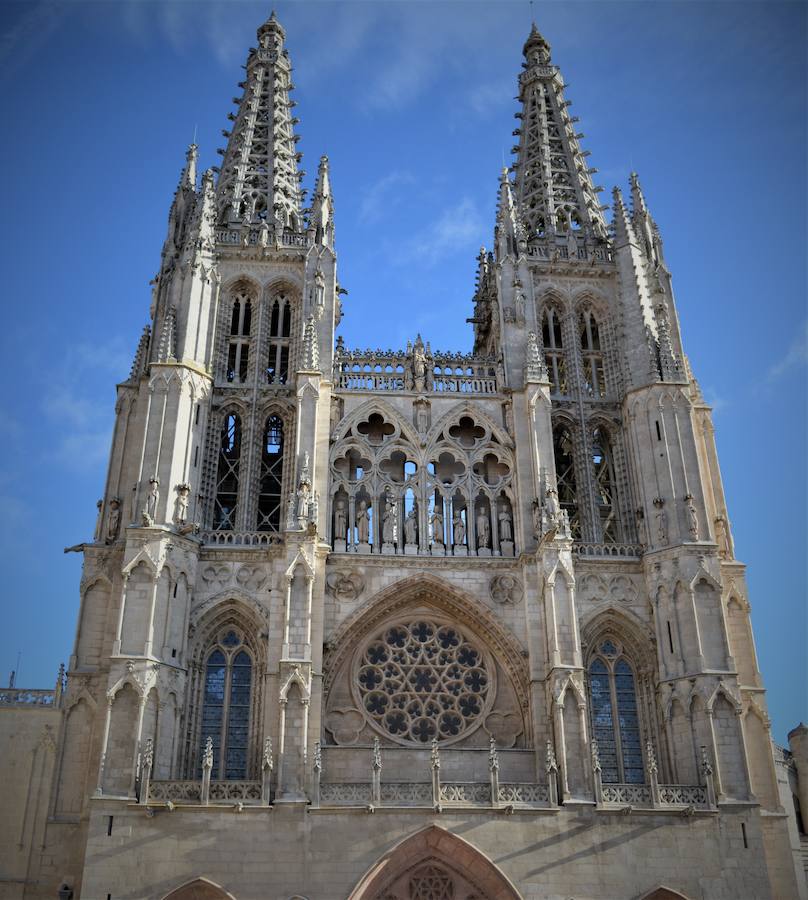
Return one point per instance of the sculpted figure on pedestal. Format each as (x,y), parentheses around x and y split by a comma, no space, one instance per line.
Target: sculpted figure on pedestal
(363,522)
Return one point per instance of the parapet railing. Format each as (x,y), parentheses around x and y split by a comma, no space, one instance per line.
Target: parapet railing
(414,369)
(29,698)
(259,236)
(563,247)
(606,551)
(241,538)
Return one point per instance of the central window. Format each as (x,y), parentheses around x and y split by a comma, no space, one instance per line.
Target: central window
(422,680)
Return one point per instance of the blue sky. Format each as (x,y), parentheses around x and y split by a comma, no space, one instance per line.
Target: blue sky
(413,103)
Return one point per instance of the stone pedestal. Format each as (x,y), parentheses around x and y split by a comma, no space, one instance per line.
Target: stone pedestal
(411,549)
(438,550)
(506,547)
(340,546)
(363,548)
(388,549)
(483,551)
(460,551)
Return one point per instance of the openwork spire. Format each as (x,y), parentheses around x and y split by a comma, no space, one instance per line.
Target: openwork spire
(553,185)
(259,178)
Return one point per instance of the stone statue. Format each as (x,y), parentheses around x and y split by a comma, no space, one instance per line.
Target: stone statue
(722,538)
(551,507)
(340,521)
(181,505)
(519,302)
(336,414)
(363,522)
(537,530)
(639,517)
(693,518)
(303,500)
(505,524)
(483,529)
(263,234)
(572,244)
(437,527)
(114,520)
(411,527)
(152,499)
(314,508)
(389,522)
(458,529)
(419,364)
(319,289)
(98,517)
(662,526)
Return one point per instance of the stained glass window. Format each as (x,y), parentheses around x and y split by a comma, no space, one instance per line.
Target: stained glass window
(226,707)
(615,722)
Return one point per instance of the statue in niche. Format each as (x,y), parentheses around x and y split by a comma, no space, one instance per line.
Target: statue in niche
(340,521)
(483,529)
(389,521)
(263,234)
(319,288)
(436,521)
(639,516)
(152,499)
(505,524)
(411,526)
(303,500)
(520,301)
(114,520)
(552,508)
(536,513)
(421,418)
(363,522)
(661,526)
(722,538)
(181,505)
(572,244)
(693,517)
(458,529)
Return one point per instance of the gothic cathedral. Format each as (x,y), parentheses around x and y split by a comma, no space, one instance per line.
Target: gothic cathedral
(412,625)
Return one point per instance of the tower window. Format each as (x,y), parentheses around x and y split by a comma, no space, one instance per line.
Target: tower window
(227,474)
(554,350)
(270,490)
(226,707)
(594,377)
(615,723)
(563,450)
(238,353)
(604,481)
(280,326)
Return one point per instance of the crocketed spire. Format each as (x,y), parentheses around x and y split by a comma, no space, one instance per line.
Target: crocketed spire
(259,177)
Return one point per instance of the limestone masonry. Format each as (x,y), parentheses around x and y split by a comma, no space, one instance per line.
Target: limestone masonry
(406,624)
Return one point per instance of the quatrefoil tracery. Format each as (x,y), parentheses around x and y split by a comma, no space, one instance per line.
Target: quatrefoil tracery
(423,680)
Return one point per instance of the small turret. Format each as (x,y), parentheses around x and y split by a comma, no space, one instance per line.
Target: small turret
(510,232)
(182,209)
(321,215)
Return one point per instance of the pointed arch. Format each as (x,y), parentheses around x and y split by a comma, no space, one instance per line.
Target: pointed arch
(451,853)
(375,405)
(475,412)
(199,889)
(661,892)
(625,625)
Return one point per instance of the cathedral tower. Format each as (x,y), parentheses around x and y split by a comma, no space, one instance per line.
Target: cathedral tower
(490,598)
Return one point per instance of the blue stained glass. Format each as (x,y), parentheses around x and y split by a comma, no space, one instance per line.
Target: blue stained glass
(238,716)
(603,719)
(630,740)
(213,705)
(231,639)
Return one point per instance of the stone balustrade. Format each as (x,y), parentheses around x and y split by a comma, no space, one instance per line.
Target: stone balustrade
(559,249)
(241,538)
(252,237)
(586,550)
(30,698)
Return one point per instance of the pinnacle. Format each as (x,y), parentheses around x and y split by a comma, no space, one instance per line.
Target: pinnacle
(535,40)
(271,26)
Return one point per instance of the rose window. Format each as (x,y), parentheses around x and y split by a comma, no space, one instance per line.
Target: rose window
(424,680)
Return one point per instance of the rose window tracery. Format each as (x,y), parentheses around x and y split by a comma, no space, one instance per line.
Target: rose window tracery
(422,680)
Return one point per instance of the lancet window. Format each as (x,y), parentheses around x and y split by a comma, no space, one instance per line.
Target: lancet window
(271,479)
(227,473)
(592,355)
(226,701)
(238,352)
(280,326)
(554,350)
(613,709)
(563,450)
(603,481)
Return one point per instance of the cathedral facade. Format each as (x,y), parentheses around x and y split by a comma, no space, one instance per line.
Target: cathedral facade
(410,625)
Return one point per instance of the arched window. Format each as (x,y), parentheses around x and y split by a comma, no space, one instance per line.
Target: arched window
(224,507)
(238,353)
(594,377)
(226,706)
(604,482)
(615,723)
(565,477)
(270,489)
(554,350)
(280,326)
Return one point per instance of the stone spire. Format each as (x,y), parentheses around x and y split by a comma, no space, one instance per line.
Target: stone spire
(259,177)
(553,185)
(321,214)
(644,225)
(182,207)
(510,232)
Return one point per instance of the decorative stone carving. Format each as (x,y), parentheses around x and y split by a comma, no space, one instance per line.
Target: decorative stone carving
(661,521)
(483,529)
(411,526)
(622,588)
(363,522)
(345,725)
(389,521)
(436,520)
(181,503)
(152,499)
(504,728)
(251,578)
(692,517)
(345,586)
(113,520)
(722,538)
(458,529)
(217,575)
(552,511)
(505,589)
(340,521)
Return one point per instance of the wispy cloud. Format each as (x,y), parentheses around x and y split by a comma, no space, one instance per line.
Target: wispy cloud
(457,228)
(383,195)
(795,356)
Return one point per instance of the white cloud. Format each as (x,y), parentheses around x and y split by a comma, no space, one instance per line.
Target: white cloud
(457,228)
(382,196)
(795,356)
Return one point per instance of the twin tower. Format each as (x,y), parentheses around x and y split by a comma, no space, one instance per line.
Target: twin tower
(489,597)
